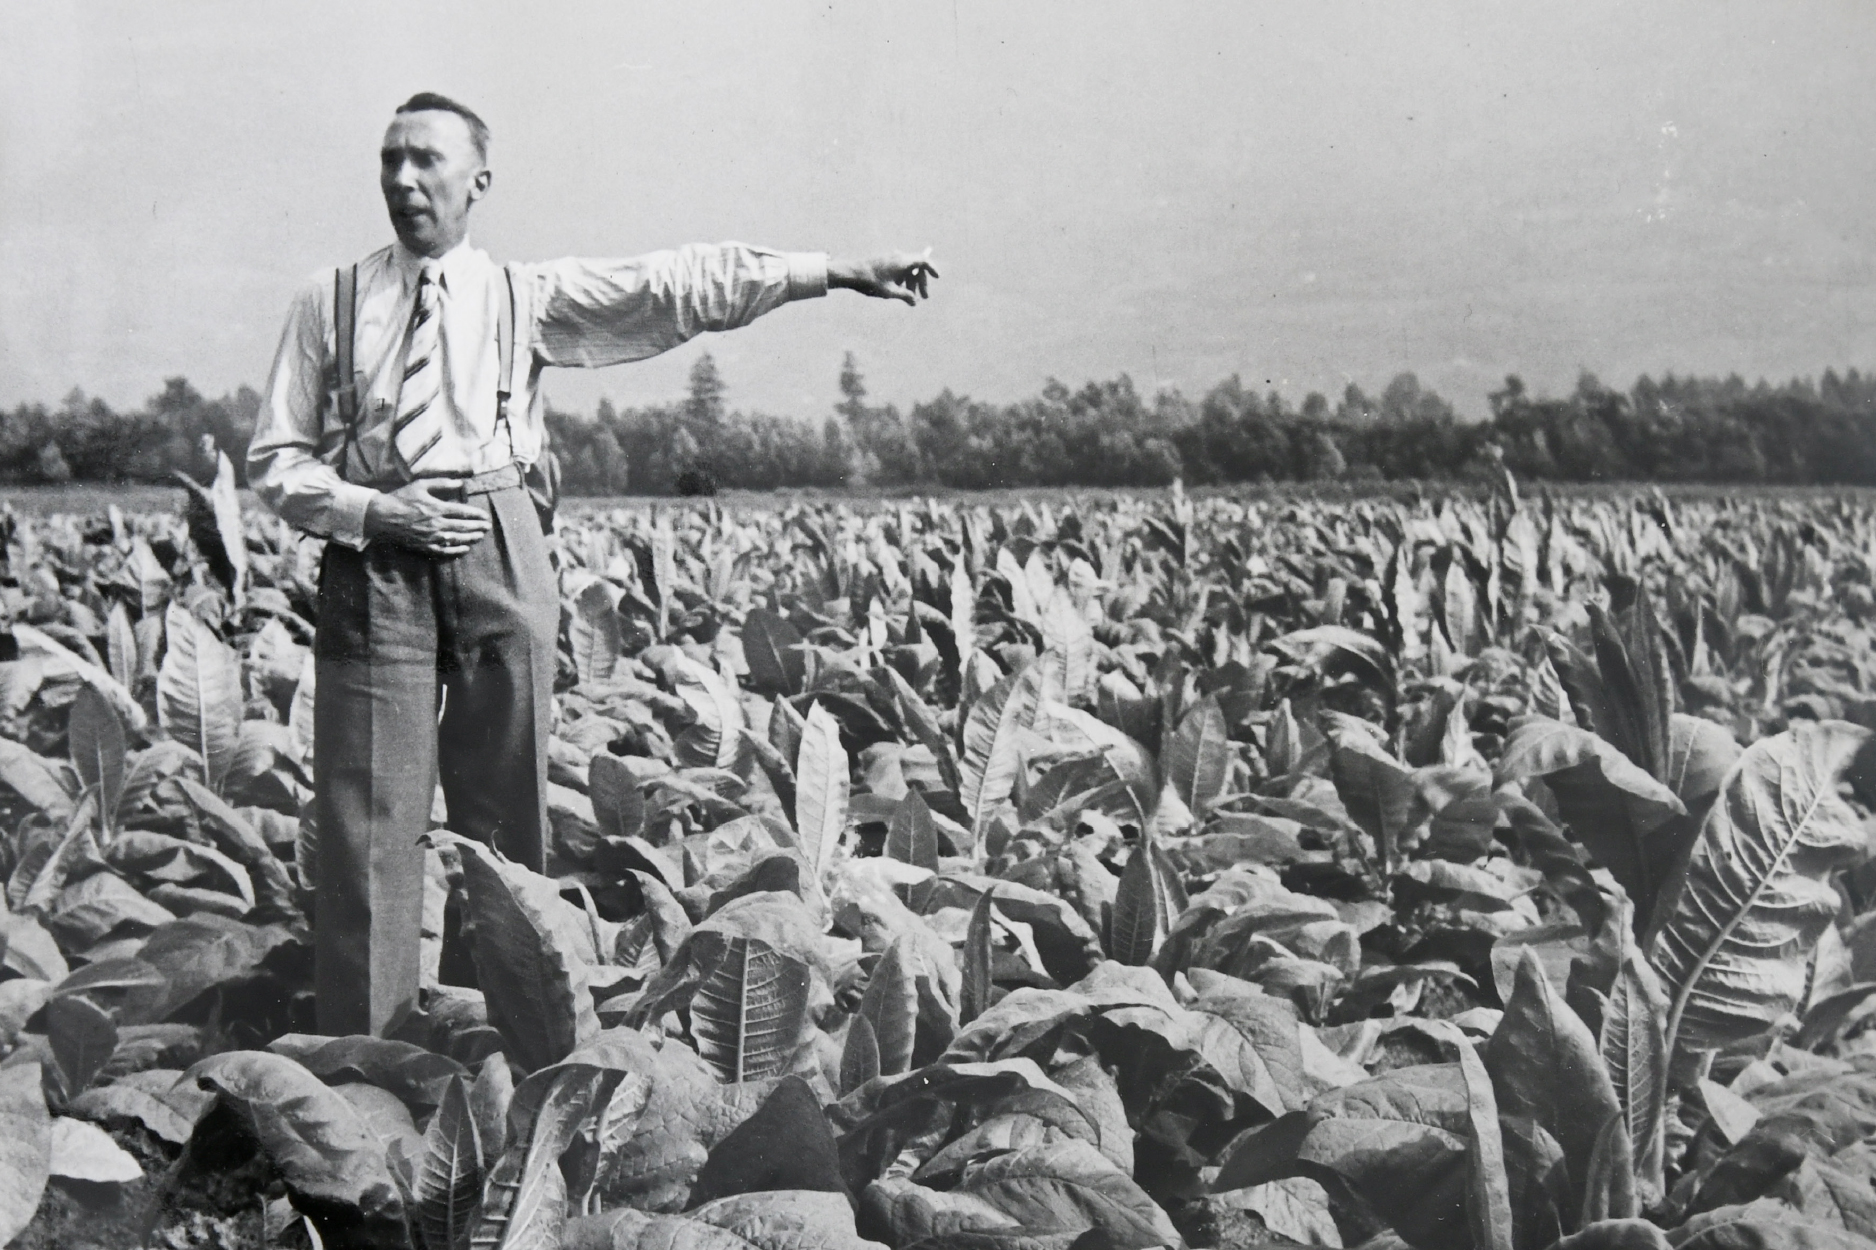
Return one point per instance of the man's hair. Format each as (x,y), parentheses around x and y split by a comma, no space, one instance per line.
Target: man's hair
(427,101)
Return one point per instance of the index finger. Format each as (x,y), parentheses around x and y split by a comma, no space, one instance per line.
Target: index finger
(453,511)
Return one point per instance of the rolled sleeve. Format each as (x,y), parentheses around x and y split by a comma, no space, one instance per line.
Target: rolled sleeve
(590,313)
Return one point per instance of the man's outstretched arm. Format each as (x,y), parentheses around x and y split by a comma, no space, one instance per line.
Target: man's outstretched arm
(605,312)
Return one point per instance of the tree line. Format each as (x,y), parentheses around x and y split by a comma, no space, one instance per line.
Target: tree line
(1804,431)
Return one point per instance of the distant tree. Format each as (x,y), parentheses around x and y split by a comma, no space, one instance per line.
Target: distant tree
(612,472)
(852,404)
(1355,407)
(704,413)
(1512,393)
(1100,434)
(52,467)
(705,405)
(1322,459)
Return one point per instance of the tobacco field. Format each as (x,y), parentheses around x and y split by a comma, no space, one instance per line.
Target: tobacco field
(1111,872)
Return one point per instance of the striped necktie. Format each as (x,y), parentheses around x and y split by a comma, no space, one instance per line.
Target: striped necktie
(419,424)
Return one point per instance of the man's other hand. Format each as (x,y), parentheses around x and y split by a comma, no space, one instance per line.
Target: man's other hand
(424,517)
(899,275)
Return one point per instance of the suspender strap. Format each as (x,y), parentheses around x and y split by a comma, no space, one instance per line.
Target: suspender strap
(345,383)
(505,347)
(344,326)
(505,340)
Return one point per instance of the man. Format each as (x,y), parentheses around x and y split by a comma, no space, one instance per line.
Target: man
(436,592)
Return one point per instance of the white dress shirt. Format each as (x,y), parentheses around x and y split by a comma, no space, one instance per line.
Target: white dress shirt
(567,312)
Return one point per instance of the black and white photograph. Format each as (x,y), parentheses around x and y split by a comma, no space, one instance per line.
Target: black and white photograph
(938,625)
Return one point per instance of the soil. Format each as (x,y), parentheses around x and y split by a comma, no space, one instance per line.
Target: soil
(221,1211)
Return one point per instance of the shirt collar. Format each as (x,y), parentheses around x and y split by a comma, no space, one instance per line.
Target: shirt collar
(450,265)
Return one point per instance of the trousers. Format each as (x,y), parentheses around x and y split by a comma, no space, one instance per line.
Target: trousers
(402,636)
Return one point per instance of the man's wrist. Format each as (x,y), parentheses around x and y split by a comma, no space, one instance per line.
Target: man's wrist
(353,519)
(810,274)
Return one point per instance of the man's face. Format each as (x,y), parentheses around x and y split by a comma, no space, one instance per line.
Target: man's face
(431,174)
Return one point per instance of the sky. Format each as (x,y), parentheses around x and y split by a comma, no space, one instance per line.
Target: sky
(1303,194)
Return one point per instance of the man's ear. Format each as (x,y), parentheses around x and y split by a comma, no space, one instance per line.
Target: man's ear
(479,185)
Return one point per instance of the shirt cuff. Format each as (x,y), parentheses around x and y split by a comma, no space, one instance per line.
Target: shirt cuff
(347,514)
(807,274)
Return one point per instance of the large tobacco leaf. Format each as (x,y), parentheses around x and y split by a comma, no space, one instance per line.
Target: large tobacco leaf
(747,1012)
(1141,914)
(1764,1224)
(1377,790)
(912,838)
(1197,758)
(524,1203)
(1613,806)
(449,1173)
(1545,1065)
(1068,645)
(1066,1187)
(61,658)
(715,738)
(420,1078)
(889,1010)
(1634,1049)
(776,918)
(821,788)
(974,984)
(1637,682)
(686,1113)
(82,1036)
(213,514)
(156,1098)
(1068,947)
(188,957)
(877,1120)
(239,840)
(1398,1142)
(992,741)
(1336,650)
(25,1147)
(534,980)
(594,631)
(198,689)
(1700,754)
(95,735)
(1732,949)
(772,649)
(325,1153)
(40,781)
(1488,1179)
(786,1144)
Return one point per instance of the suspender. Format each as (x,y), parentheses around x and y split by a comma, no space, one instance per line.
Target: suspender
(345,332)
(345,381)
(505,346)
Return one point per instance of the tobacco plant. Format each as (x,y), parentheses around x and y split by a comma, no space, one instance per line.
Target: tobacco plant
(1125,871)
